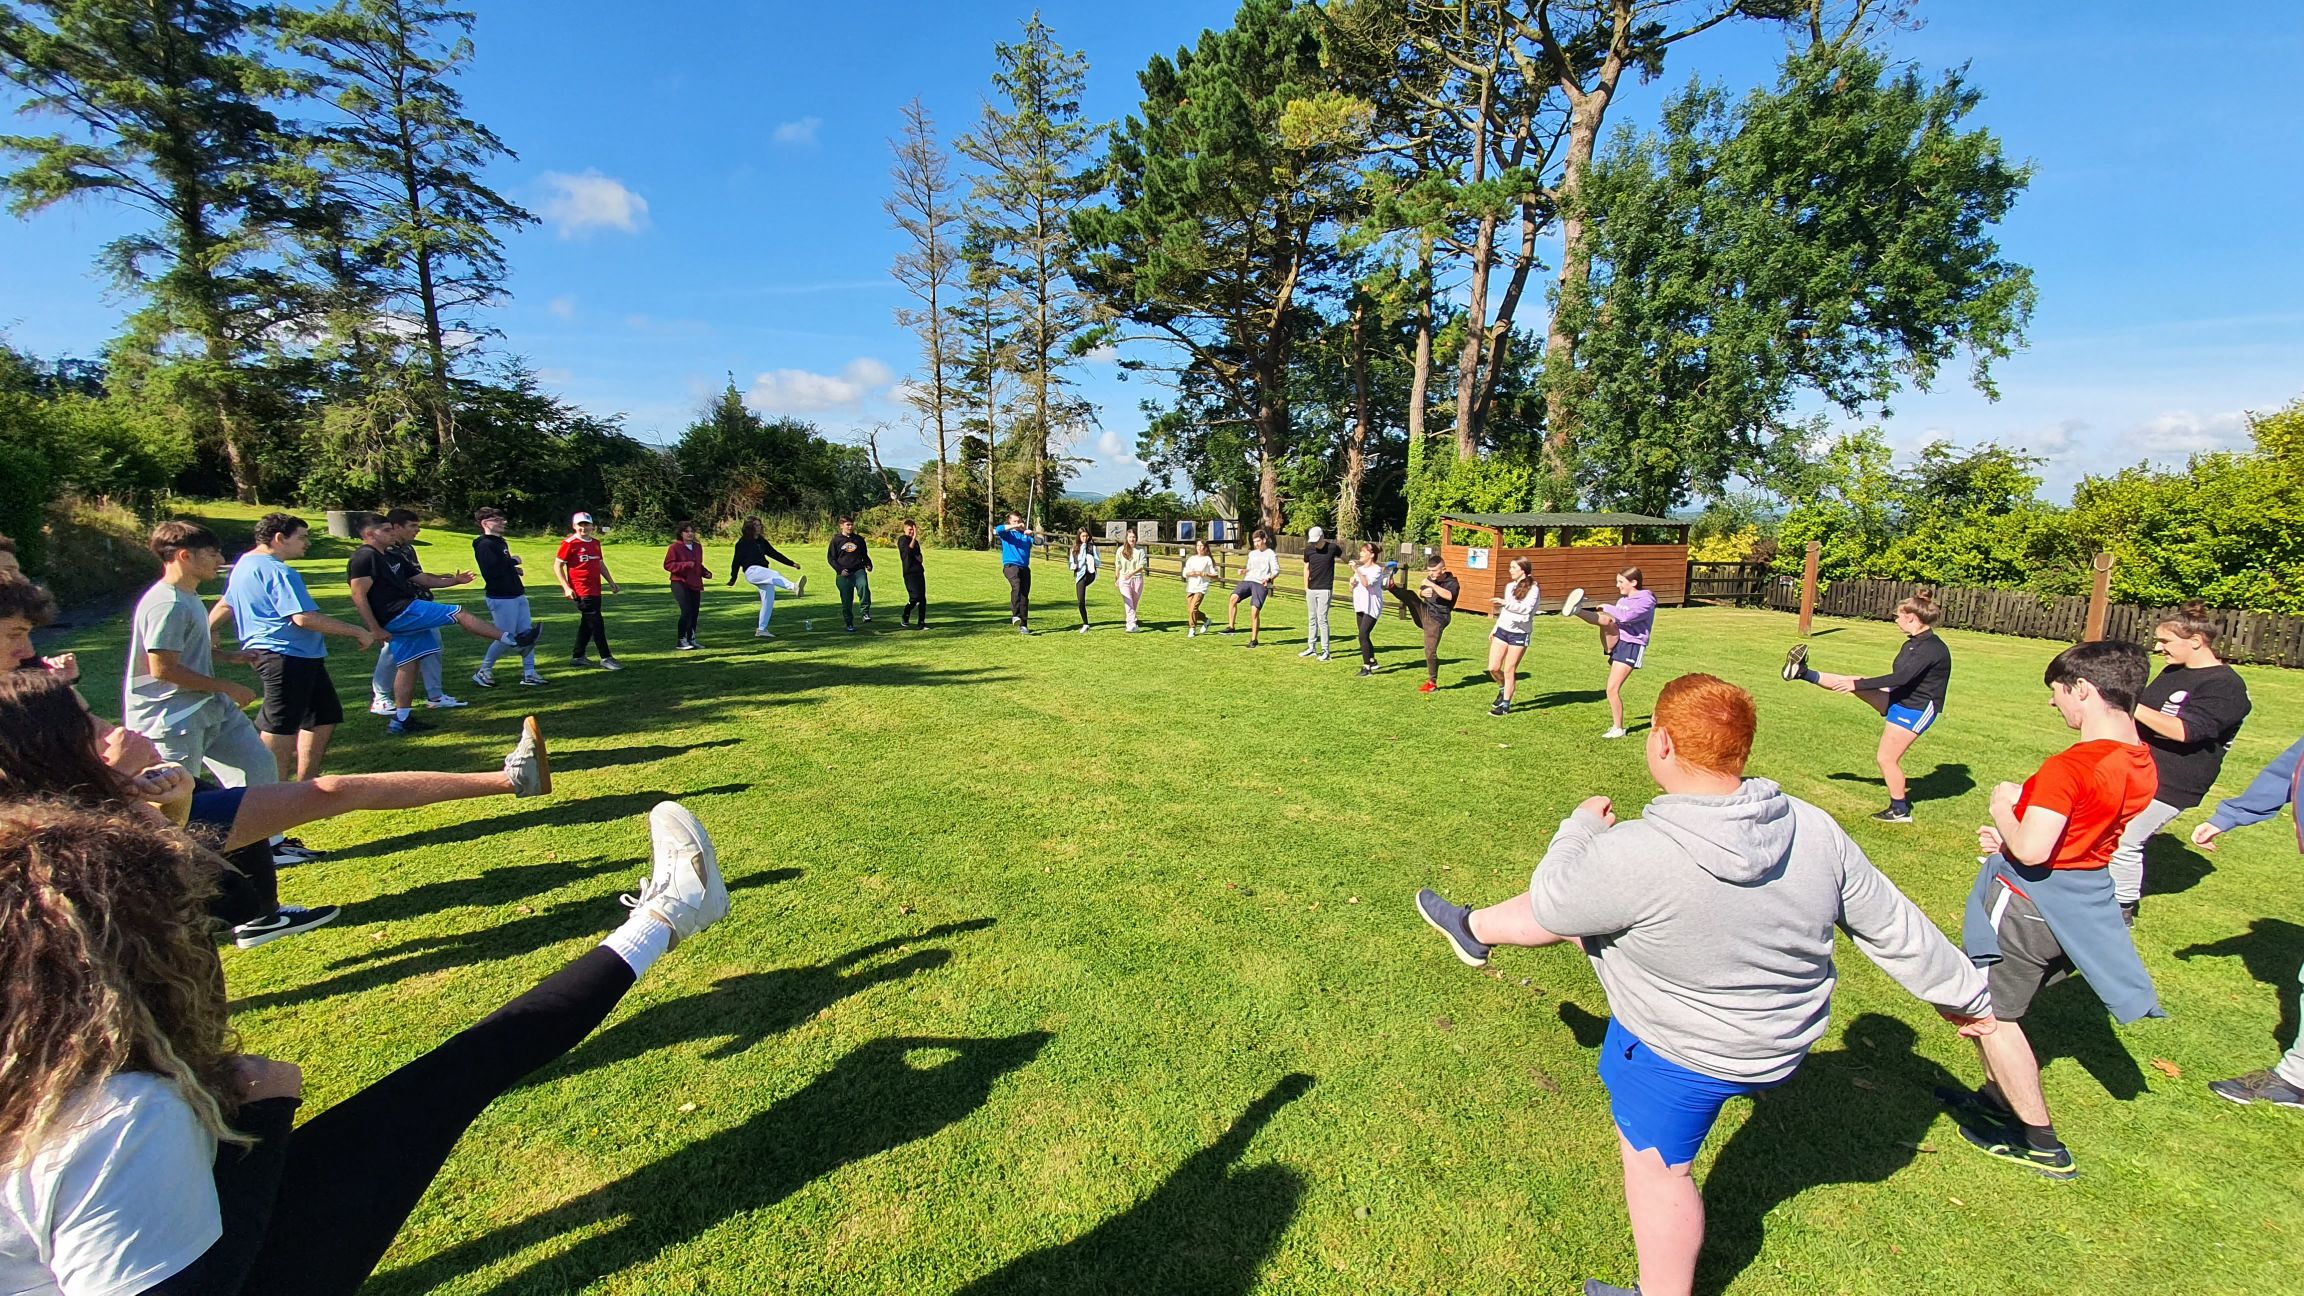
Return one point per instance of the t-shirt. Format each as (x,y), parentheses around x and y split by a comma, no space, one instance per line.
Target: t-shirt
(120,1198)
(1199,570)
(1263,567)
(264,594)
(390,589)
(492,554)
(1514,615)
(2098,786)
(2211,701)
(1438,610)
(1320,564)
(166,620)
(584,562)
(1368,594)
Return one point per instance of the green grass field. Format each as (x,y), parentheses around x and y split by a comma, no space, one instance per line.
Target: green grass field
(1087,964)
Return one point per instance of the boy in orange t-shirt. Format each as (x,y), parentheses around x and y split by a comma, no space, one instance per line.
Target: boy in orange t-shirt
(2043,905)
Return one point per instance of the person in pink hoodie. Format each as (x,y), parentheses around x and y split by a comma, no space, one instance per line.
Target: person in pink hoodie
(684,558)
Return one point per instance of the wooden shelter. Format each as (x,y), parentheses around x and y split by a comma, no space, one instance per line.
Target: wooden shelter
(1473,546)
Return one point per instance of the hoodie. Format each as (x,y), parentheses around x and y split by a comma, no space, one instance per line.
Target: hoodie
(1709,921)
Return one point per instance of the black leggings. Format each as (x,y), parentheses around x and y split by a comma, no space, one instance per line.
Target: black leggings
(1019,591)
(915,601)
(1367,648)
(354,1172)
(589,627)
(1080,586)
(691,601)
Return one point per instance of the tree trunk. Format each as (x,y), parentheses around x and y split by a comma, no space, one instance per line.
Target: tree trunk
(1586,109)
(1356,443)
(1420,380)
(1483,255)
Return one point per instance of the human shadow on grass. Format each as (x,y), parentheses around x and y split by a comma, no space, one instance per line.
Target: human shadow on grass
(1556,698)
(610,757)
(1939,784)
(388,964)
(558,813)
(879,1097)
(746,1009)
(2271,949)
(2171,866)
(1587,1029)
(1855,1114)
(2067,1020)
(491,887)
(1209,1229)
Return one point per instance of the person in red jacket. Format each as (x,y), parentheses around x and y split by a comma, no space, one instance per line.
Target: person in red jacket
(684,558)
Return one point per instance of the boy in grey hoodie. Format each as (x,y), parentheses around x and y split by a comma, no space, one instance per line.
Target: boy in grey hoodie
(1709,921)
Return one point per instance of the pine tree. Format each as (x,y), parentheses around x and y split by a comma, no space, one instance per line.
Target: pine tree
(925,206)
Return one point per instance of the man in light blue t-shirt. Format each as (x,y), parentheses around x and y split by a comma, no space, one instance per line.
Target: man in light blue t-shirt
(171,693)
(281,630)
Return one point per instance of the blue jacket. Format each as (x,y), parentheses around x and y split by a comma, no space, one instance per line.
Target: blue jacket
(2273,787)
(2084,918)
(1015,545)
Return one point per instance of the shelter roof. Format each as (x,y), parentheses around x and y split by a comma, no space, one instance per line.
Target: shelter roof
(1533,521)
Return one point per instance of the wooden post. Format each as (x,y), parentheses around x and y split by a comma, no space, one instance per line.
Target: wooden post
(2099,597)
(1808,588)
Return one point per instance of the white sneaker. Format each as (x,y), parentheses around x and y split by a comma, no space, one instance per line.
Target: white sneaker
(762,634)
(610,663)
(484,678)
(444,703)
(534,680)
(1617,732)
(1323,655)
(529,767)
(380,705)
(1574,601)
(1083,628)
(1309,650)
(799,587)
(684,892)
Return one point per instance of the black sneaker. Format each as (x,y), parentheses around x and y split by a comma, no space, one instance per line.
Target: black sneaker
(1454,922)
(1893,815)
(2009,1144)
(1502,708)
(288,852)
(287,920)
(1981,1102)
(1795,661)
(2258,1086)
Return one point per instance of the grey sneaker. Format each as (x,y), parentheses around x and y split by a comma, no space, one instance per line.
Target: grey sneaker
(1595,1287)
(685,891)
(1795,661)
(533,680)
(1893,815)
(484,677)
(1309,650)
(287,920)
(2258,1086)
(529,766)
(610,663)
(800,586)
(1454,922)
(2007,1143)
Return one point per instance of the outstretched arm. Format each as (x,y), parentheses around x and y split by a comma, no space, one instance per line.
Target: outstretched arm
(1894,934)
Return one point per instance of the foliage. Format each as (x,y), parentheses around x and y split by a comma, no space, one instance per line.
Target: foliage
(62,435)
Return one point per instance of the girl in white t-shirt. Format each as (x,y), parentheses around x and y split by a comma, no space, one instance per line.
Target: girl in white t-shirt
(139,1153)
(1367,602)
(1508,642)
(1199,573)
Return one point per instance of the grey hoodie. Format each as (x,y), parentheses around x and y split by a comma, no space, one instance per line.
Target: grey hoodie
(1709,921)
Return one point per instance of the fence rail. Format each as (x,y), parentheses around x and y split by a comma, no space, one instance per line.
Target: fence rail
(2255,637)
(1734,582)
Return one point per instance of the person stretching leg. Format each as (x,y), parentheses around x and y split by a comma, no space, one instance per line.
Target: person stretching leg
(582,568)
(506,593)
(1709,921)
(1199,574)
(1255,586)
(1910,697)
(1508,642)
(915,577)
(2189,717)
(1367,603)
(1085,565)
(1624,627)
(2274,787)
(1016,543)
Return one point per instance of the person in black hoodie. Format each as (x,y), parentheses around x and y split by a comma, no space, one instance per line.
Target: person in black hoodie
(507,598)
(750,563)
(915,576)
(2189,717)
(850,560)
(1910,697)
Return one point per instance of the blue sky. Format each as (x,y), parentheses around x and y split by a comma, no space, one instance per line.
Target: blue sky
(711,180)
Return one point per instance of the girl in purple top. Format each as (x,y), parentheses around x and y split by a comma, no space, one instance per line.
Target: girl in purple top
(1623,636)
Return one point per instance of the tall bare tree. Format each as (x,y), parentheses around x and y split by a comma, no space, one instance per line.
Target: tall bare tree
(926,206)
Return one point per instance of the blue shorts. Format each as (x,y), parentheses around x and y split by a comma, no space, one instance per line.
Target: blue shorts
(1253,591)
(1917,719)
(1631,654)
(416,631)
(216,810)
(1659,1103)
(1513,638)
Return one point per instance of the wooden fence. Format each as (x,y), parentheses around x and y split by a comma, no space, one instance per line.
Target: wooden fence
(1736,582)
(2241,636)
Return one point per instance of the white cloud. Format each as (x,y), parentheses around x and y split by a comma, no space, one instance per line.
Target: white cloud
(801,132)
(555,377)
(580,204)
(1106,354)
(799,391)
(562,307)
(1116,449)
(2053,439)
(2181,432)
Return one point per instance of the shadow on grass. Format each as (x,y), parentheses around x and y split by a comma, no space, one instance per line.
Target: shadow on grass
(493,887)
(2171,866)
(609,758)
(552,814)
(1587,1029)
(2271,949)
(1557,698)
(1208,1229)
(2067,1020)
(1856,1114)
(584,915)
(747,1009)
(883,1095)
(1939,784)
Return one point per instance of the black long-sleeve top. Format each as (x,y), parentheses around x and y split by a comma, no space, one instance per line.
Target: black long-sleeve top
(753,553)
(1921,674)
(908,554)
(494,557)
(846,554)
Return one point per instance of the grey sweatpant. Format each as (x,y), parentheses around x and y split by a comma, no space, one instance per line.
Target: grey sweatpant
(1316,617)
(2127,866)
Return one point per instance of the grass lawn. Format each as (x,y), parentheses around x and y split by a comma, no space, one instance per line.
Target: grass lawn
(1086,963)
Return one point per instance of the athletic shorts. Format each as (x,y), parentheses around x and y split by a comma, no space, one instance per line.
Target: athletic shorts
(1631,654)
(416,631)
(1253,591)
(297,694)
(2031,959)
(1515,638)
(1916,719)
(216,811)
(1659,1103)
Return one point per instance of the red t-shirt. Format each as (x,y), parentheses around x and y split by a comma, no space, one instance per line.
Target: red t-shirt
(583,559)
(2098,786)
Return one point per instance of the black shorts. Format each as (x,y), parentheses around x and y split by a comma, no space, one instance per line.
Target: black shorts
(2031,959)
(297,694)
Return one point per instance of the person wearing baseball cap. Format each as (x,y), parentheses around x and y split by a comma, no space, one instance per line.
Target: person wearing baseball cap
(582,569)
(1320,555)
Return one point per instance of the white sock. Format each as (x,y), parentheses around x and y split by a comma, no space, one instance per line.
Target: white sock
(401,713)
(640,942)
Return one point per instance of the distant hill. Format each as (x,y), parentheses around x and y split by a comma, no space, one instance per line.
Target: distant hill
(1087,497)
